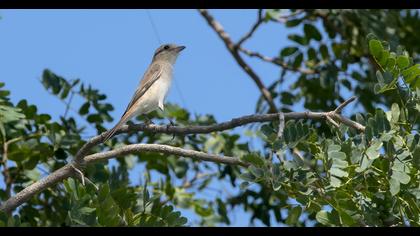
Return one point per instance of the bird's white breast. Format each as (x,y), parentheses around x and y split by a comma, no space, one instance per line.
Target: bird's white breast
(156,94)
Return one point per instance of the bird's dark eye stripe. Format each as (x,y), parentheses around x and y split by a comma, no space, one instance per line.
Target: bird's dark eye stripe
(158,52)
(162,49)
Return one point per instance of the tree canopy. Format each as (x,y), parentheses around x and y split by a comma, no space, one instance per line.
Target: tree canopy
(318,166)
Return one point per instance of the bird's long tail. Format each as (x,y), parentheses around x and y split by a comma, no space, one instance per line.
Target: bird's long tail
(113,130)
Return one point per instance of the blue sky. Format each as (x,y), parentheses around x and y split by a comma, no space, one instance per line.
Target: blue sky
(111,49)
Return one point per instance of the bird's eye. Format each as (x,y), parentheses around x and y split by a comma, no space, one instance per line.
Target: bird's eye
(166,47)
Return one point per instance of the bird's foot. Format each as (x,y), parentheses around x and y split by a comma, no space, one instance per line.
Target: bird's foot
(171,123)
(148,121)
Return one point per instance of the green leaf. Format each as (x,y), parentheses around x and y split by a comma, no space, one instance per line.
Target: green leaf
(334,148)
(202,211)
(324,217)
(247,177)
(403,62)
(2,131)
(293,216)
(410,70)
(287,51)
(384,58)
(338,172)
(416,156)
(269,132)
(380,77)
(94,118)
(298,60)
(346,218)
(86,210)
(375,48)
(394,186)
(60,154)
(257,172)
(311,54)
(324,52)
(373,151)
(10,114)
(401,177)
(395,111)
(84,109)
(312,32)
(293,23)
(254,159)
(390,64)
(411,75)
(244,185)
(298,39)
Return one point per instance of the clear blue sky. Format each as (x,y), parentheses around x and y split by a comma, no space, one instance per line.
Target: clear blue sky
(111,49)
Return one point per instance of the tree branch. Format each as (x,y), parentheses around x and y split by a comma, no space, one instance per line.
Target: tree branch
(253,29)
(81,158)
(233,49)
(276,61)
(237,47)
(344,104)
(69,171)
(37,187)
(165,149)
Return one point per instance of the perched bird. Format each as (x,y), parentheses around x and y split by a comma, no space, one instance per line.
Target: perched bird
(153,88)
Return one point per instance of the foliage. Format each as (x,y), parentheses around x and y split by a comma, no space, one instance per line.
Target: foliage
(369,178)
(314,173)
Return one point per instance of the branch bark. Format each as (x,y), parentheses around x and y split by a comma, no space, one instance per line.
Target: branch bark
(165,149)
(82,159)
(37,187)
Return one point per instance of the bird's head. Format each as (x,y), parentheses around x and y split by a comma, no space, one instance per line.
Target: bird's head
(168,52)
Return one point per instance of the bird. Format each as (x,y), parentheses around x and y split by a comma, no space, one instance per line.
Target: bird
(153,87)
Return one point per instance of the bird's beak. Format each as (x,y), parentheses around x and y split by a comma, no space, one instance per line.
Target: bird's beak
(180,48)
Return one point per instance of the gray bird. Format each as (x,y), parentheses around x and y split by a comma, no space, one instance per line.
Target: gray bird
(153,88)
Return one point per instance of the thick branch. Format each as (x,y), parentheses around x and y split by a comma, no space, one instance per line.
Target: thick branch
(81,157)
(233,49)
(205,129)
(37,187)
(139,148)
(68,171)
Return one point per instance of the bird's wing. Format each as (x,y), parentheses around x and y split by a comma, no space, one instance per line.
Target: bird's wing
(150,77)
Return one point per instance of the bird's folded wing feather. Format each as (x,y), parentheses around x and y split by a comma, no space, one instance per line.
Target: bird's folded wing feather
(150,77)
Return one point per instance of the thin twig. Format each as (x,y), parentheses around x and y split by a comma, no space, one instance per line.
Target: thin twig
(277,61)
(82,176)
(68,104)
(329,119)
(217,27)
(252,31)
(344,104)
